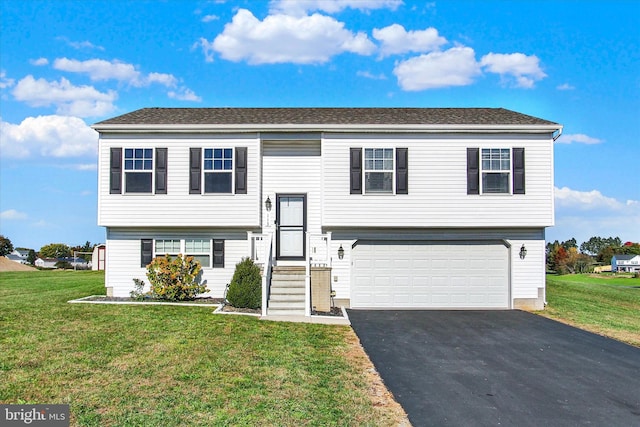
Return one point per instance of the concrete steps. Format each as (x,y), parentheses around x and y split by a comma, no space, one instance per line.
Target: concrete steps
(286,297)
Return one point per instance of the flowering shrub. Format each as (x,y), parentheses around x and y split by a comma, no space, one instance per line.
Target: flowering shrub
(245,289)
(175,279)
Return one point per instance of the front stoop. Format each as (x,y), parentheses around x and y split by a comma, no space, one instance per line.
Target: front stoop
(286,297)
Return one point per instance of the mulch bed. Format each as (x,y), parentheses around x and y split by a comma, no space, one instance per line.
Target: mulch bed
(127,299)
(335,311)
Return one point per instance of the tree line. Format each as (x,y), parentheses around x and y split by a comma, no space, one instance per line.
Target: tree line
(52,250)
(567,257)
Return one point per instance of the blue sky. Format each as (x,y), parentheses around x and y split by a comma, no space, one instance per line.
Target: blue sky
(65,65)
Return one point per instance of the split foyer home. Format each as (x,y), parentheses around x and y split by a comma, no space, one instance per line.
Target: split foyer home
(442,208)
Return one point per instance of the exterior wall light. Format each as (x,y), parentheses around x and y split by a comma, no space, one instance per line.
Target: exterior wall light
(523,251)
(267,204)
(340,252)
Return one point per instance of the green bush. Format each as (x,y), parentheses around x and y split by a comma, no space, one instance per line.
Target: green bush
(245,289)
(175,279)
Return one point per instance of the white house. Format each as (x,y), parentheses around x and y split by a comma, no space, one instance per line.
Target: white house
(625,263)
(441,208)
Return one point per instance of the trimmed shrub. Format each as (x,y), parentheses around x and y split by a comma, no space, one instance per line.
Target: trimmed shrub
(245,289)
(175,279)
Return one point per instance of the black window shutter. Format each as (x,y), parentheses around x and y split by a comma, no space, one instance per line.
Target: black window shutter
(146,252)
(518,171)
(356,170)
(195,164)
(115,175)
(218,253)
(241,170)
(402,171)
(161,171)
(473,171)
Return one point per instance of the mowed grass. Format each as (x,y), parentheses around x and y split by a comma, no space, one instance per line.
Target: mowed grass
(173,366)
(602,304)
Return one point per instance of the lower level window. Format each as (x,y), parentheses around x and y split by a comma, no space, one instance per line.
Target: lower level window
(200,249)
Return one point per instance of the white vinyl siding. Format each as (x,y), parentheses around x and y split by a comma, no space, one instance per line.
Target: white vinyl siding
(178,206)
(437,178)
(123,256)
(293,168)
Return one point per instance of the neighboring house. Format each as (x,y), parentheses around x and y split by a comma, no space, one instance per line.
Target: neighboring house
(98,258)
(402,207)
(625,263)
(19,255)
(46,262)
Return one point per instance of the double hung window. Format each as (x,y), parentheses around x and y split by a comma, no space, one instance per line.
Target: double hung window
(378,170)
(200,249)
(138,170)
(218,170)
(496,170)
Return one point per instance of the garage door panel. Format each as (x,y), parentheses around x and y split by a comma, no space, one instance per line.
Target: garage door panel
(431,275)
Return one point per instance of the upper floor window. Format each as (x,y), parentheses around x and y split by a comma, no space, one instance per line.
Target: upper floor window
(138,170)
(496,170)
(378,170)
(141,167)
(218,170)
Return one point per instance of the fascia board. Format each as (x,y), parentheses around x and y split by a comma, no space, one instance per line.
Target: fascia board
(366,128)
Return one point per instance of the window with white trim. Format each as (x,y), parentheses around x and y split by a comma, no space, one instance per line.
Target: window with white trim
(170,247)
(218,170)
(496,170)
(378,170)
(138,170)
(200,249)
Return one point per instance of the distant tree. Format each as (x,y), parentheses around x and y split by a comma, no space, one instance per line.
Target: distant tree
(574,262)
(55,250)
(87,247)
(6,247)
(558,252)
(31,258)
(64,265)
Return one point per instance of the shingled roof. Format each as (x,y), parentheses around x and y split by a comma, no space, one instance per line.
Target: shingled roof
(323,116)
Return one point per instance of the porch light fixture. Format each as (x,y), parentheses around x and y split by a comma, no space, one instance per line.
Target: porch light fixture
(523,251)
(267,204)
(340,252)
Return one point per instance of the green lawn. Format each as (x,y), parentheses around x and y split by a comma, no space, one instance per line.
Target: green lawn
(603,304)
(174,366)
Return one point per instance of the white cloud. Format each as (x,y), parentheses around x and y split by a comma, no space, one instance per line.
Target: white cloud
(101,70)
(184,94)
(207,48)
(591,200)
(395,40)
(210,18)
(81,101)
(301,7)
(39,62)
(368,75)
(286,39)
(579,138)
(5,82)
(12,214)
(80,45)
(524,69)
(565,86)
(55,136)
(583,214)
(454,67)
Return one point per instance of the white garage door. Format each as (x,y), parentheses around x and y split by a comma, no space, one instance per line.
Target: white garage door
(430,275)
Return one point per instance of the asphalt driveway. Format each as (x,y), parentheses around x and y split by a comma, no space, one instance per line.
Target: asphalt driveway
(511,368)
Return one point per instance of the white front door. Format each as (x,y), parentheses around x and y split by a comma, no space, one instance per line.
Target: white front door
(291,222)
